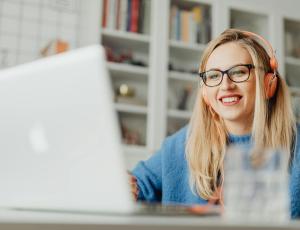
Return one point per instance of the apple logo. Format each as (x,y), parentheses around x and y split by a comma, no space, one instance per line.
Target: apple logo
(38,139)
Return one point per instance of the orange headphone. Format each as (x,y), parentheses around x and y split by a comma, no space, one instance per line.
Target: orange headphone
(270,80)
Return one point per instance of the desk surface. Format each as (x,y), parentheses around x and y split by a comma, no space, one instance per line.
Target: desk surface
(15,219)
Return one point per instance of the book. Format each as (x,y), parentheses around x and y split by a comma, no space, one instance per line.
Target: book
(111,19)
(104,13)
(118,14)
(198,20)
(178,25)
(146,21)
(173,22)
(192,29)
(134,15)
(185,18)
(141,16)
(123,15)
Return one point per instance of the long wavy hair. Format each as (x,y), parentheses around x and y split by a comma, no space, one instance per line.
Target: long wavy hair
(207,138)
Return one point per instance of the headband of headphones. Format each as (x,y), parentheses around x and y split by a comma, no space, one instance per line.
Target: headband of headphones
(273,60)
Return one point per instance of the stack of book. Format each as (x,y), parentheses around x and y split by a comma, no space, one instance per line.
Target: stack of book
(190,25)
(127,15)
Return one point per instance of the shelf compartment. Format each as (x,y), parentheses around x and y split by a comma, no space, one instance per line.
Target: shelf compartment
(292,70)
(127,69)
(121,39)
(295,91)
(138,85)
(190,21)
(175,75)
(292,38)
(133,128)
(250,21)
(181,94)
(183,60)
(122,107)
(142,38)
(292,61)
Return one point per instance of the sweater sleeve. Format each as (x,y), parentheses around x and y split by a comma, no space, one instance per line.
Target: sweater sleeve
(149,177)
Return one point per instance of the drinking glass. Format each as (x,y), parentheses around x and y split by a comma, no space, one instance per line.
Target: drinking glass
(256,184)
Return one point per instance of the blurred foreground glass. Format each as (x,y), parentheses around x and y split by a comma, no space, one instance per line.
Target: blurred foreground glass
(256,185)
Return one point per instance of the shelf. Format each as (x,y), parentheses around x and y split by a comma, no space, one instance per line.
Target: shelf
(183,76)
(127,108)
(128,69)
(292,61)
(128,40)
(126,35)
(295,91)
(186,3)
(179,114)
(187,46)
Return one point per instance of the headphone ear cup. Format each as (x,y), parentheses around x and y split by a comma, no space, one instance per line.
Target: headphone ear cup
(273,63)
(270,85)
(204,95)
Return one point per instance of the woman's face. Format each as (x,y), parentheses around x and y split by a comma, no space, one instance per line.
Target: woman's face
(234,102)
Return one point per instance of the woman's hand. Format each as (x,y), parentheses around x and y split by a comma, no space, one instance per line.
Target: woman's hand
(133,186)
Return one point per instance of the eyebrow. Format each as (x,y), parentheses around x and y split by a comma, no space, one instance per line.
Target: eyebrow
(227,68)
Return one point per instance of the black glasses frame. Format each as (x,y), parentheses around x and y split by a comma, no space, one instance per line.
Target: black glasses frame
(249,66)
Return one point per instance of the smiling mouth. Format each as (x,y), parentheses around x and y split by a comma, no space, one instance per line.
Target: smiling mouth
(230,100)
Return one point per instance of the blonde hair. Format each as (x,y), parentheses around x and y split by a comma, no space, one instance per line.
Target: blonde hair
(273,122)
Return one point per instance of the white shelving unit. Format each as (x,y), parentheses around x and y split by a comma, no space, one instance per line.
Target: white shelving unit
(292,59)
(173,63)
(134,111)
(184,50)
(165,66)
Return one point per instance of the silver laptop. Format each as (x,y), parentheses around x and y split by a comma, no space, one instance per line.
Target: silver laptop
(60,145)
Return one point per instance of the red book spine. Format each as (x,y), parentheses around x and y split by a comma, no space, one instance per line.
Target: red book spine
(135,4)
(104,13)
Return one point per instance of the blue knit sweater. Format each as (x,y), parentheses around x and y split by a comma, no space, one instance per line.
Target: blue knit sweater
(165,176)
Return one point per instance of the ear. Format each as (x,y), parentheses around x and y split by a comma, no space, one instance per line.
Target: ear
(204,95)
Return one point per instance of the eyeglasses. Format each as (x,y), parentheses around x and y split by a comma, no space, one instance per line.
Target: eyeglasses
(238,73)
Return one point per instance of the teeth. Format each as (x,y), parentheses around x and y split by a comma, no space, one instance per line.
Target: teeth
(229,99)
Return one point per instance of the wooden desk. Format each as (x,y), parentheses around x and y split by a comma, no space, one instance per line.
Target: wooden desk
(29,220)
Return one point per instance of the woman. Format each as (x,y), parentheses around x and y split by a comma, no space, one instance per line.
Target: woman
(242,100)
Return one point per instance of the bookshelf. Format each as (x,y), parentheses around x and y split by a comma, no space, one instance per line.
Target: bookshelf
(292,51)
(172,55)
(292,60)
(190,28)
(150,60)
(250,21)
(125,34)
(280,26)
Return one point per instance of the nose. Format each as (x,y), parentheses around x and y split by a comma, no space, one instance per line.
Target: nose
(226,83)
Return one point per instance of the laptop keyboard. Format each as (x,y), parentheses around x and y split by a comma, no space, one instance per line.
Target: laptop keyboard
(159,209)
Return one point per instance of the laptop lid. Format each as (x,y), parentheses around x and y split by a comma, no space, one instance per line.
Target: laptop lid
(60,143)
